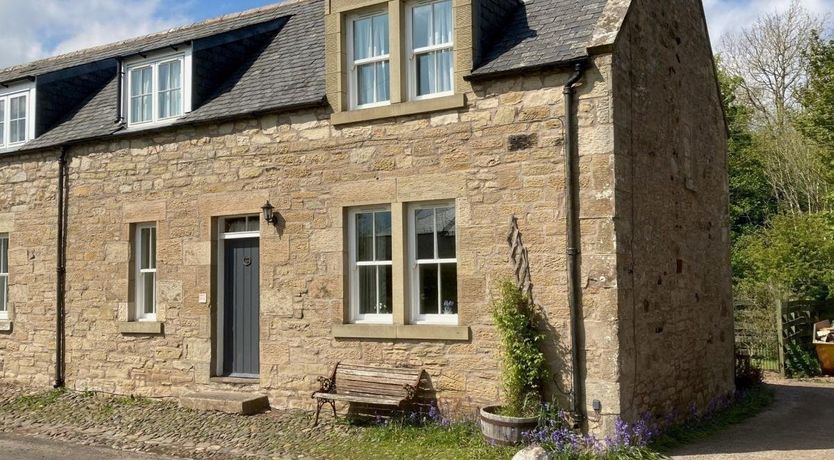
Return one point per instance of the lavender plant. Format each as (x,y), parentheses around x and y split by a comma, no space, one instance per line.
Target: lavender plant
(555,434)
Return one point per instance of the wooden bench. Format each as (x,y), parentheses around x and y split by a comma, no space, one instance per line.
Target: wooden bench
(384,386)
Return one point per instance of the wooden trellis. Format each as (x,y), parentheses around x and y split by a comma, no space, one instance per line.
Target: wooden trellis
(519,259)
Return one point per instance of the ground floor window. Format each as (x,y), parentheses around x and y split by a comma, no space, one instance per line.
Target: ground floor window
(426,233)
(371,285)
(433,257)
(145,275)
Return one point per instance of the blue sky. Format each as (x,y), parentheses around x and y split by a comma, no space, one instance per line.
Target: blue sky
(32,29)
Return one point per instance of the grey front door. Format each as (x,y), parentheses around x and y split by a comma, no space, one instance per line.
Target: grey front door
(241,307)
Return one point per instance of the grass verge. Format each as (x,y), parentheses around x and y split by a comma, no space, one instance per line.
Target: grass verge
(400,441)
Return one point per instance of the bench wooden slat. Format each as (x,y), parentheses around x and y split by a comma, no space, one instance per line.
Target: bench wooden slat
(353,382)
(387,392)
(384,370)
(371,388)
(367,399)
(375,379)
(368,373)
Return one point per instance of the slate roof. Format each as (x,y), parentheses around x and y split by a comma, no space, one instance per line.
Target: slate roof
(289,71)
(145,43)
(544,32)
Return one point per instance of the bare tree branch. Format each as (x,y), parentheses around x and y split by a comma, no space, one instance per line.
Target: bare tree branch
(770,57)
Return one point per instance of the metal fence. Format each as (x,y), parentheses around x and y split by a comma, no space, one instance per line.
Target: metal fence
(767,336)
(757,337)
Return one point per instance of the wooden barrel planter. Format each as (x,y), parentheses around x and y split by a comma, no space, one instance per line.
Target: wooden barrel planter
(504,430)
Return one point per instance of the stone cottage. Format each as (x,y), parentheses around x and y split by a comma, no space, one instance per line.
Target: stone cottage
(389,143)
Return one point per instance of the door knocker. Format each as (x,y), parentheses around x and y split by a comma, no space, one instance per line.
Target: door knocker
(247,261)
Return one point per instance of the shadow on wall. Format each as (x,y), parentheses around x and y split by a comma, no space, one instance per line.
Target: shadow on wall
(555,351)
(557,354)
(521,31)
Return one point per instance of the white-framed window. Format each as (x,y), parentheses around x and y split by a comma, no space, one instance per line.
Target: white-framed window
(17,121)
(145,272)
(433,261)
(429,27)
(371,269)
(368,59)
(4,276)
(157,89)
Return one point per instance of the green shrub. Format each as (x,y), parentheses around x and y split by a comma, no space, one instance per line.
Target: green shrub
(524,366)
(801,361)
(794,254)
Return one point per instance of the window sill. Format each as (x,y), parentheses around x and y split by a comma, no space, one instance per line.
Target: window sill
(401,332)
(454,101)
(5,325)
(235,380)
(140,327)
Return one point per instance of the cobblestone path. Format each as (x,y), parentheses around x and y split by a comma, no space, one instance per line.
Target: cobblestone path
(161,427)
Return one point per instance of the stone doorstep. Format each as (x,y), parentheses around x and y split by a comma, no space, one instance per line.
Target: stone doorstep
(226,401)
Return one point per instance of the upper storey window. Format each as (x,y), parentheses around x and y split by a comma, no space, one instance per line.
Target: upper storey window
(431,71)
(157,90)
(369,60)
(388,59)
(16,119)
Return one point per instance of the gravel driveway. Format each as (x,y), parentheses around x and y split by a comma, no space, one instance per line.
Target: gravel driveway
(799,425)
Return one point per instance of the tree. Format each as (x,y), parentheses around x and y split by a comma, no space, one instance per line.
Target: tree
(817,99)
(751,198)
(795,169)
(771,58)
(795,255)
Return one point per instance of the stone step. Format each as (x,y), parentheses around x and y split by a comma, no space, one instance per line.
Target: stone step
(226,401)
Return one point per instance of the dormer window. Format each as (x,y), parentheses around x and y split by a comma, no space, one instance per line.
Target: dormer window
(388,59)
(157,90)
(431,71)
(369,56)
(16,119)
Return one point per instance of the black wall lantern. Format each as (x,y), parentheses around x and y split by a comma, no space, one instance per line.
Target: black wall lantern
(269,214)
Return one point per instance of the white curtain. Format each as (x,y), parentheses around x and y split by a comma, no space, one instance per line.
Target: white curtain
(442,23)
(170,89)
(17,119)
(141,85)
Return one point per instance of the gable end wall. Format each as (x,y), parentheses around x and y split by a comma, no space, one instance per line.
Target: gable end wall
(676,324)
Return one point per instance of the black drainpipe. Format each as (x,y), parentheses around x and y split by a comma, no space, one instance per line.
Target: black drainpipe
(61,269)
(120,74)
(572,205)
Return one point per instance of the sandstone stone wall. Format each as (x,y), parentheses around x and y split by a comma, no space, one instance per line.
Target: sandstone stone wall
(28,213)
(311,171)
(676,323)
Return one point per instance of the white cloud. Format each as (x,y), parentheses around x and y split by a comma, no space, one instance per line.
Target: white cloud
(728,15)
(31,30)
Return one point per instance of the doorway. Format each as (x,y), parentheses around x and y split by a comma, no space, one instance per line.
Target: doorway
(239,286)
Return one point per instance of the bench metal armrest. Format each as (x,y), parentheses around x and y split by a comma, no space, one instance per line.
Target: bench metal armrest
(328,385)
(410,390)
